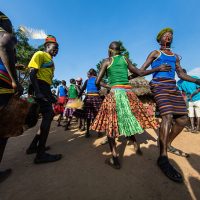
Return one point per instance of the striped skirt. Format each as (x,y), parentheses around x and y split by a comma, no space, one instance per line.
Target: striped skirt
(167,97)
(121,113)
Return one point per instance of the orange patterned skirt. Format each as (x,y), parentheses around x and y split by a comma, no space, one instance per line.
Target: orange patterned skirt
(107,117)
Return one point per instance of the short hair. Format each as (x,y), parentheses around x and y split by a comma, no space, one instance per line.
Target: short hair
(92,72)
(116,46)
(72,80)
(63,82)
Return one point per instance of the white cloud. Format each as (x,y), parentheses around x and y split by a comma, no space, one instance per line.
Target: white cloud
(194,72)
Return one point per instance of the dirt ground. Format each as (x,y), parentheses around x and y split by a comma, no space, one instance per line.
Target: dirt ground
(82,174)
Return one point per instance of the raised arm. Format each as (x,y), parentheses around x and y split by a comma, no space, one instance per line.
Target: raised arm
(143,70)
(183,75)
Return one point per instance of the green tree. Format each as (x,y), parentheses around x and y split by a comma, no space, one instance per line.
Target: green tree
(24,52)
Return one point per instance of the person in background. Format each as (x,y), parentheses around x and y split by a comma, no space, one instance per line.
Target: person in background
(92,101)
(41,74)
(79,114)
(73,92)
(62,100)
(191,89)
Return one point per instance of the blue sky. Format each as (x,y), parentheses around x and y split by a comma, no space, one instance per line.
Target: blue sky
(84,29)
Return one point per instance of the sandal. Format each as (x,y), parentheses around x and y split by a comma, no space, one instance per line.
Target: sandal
(169,170)
(113,162)
(177,152)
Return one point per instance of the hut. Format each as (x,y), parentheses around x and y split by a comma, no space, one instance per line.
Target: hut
(142,90)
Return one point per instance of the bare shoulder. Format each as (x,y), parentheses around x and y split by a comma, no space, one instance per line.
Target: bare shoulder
(154,53)
(106,62)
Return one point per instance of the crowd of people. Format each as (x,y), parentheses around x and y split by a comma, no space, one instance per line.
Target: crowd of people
(117,113)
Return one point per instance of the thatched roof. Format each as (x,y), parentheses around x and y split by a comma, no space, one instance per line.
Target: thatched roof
(140,86)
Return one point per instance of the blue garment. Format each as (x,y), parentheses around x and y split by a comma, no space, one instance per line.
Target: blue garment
(91,86)
(189,88)
(164,59)
(62,91)
(2,67)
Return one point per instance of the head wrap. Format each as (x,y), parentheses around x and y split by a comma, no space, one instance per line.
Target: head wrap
(163,31)
(50,39)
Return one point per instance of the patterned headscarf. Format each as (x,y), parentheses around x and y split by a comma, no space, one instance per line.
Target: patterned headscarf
(50,39)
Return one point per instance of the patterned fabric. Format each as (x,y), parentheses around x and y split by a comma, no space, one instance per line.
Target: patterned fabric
(45,65)
(91,106)
(167,97)
(51,39)
(128,124)
(107,119)
(68,112)
(5,80)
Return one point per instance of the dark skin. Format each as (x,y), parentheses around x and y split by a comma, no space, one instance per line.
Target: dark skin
(138,72)
(52,49)
(64,85)
(131,67)
(8,55)
(169,131)
(80,94)
(44,99)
